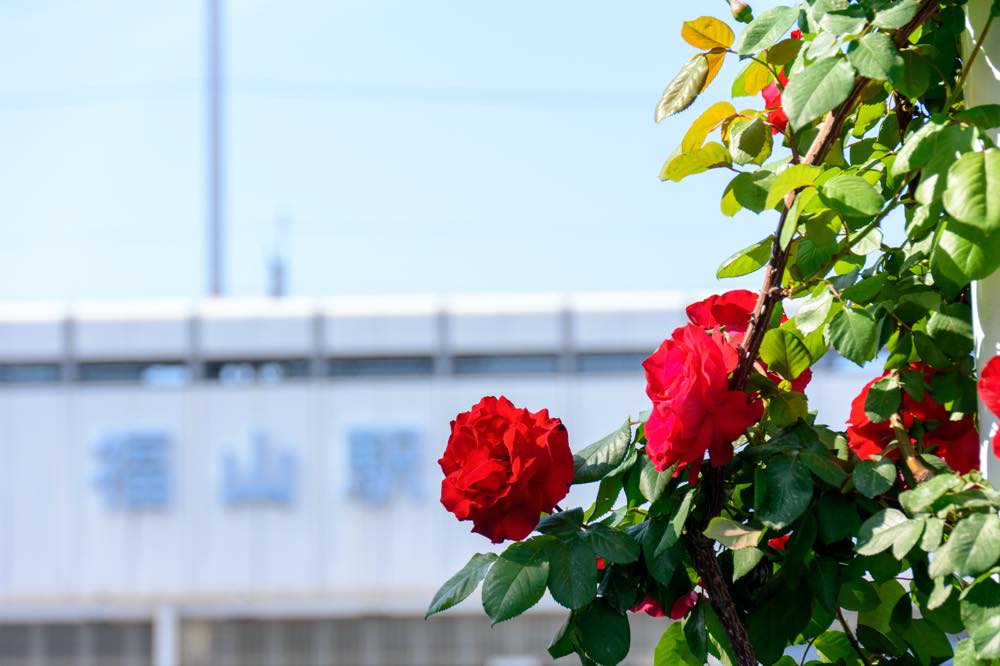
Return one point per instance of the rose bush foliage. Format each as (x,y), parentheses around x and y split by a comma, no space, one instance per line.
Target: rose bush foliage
(727,504)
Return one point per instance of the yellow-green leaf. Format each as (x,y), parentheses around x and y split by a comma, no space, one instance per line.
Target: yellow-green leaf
(706,32)
(684,89)
(746,260)
(711,118)
(715,59)
(792,178)
(753,79)
(682,165)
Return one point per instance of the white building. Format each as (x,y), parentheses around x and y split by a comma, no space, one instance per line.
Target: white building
(255,482)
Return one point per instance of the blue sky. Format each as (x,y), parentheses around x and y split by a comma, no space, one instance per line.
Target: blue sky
(431,146)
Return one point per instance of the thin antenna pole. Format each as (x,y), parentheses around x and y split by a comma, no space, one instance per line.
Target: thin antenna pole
(214,144)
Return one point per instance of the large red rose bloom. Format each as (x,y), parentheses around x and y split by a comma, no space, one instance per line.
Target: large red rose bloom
(732,311)
(503,467)
(989,393)
(956,441)
(694,411)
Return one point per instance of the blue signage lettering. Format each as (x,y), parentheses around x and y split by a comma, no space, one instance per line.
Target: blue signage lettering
(269,476)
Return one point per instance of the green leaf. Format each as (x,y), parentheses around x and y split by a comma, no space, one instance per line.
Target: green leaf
(462,584)
(876,57)
(853,333)
(746,260)
(865,290)
(792,178)
(672,649)
(965,655)
(661,564)
(858,595)
(919,499)
(695,631)
(766,29)
(896,15)
(814,312)
(838,518)
(603,633)
(915,76)
(561,523)
(872,478)
(683,90)
(611,544)
(517,579)
(562,642)
(980,608)
(972,195)
(750,141)
(731,534)
(984,116)
(973,547)
(651,482)
(851,196)
(744,560)
(822,463)
(750,189)
(884,398)
(675,526)
(836,647)
(601,457)
(681,165)
(881,531)
(819,88)
(929,643)
(965,253)
(951,329)
(607,494)
(784,353)
(933,533)
(918,148)
(788,491)
(572,572)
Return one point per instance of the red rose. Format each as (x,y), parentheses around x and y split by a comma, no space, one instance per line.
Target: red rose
(503,467)
(650,606)
(778,543)
(796,34)
(772,104)
(682,605)
(732,311)
(989,393)
(957,442)
(694,411)
(601,564)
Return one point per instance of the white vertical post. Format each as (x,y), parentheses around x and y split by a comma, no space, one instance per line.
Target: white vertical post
(166,637)
(983,87)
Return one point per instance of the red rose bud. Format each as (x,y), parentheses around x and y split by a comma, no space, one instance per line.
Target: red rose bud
(601,564)
(503,467)
(778,543)
(741,11)
(694,412)
(772,104)
(955,441)
(683,605)
(989,393)
(796,34)
(650,606)
(731,311)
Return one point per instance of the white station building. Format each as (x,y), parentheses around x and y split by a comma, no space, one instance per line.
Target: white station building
(241,483)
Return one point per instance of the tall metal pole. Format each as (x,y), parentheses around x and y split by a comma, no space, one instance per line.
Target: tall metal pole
(214,166)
